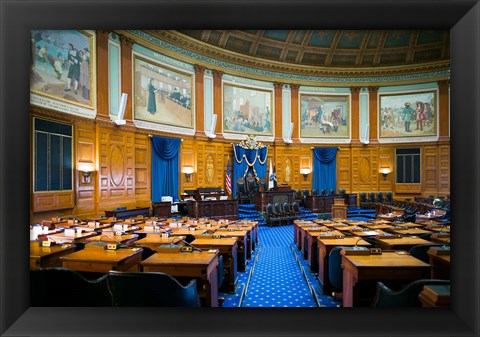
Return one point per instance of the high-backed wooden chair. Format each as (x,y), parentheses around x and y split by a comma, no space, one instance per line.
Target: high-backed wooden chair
(242,194)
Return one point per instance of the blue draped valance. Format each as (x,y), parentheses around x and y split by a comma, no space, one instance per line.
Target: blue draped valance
(324,168)
(165,167)
(248,161)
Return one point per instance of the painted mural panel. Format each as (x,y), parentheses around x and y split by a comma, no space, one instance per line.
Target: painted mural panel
(62,66)
(324,116)
(247,110)
(410,114)
(162,94)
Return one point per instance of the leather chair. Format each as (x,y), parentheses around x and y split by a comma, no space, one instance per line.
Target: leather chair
(363,199)
(140,289)
(314,192)
(335,271)
(63,287)
(262,185)
(380,196)
(242,194)
(389,198)
(271,217)
(298,197)
(277,209)
(406,297)
(420,251)
(296,209)
(341,192)
(332,192)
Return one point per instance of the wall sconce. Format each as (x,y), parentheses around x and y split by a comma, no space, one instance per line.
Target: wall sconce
(188,170)
(86,169)
(305,171)
(385,172)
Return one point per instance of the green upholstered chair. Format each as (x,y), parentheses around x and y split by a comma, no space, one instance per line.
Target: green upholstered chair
(406,297)
(152,289)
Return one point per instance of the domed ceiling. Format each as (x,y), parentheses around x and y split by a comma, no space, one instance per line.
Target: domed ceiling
(332,48)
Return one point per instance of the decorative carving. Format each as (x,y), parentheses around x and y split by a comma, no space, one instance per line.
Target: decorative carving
(294,86)
(117,166)
(217,74)
(209,168)
(355,90)
(251,143)
(126,41)
(373,89)
(216,53)
(199,69)
(288,170)
(278,85)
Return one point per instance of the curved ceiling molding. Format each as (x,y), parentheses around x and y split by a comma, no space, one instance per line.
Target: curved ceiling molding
(424,58)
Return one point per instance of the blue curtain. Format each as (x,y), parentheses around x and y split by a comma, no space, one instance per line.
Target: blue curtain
(246,161)
(165,164)
(325,168)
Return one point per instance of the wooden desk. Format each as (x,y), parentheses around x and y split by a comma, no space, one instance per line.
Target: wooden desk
(262,199)
(250,236)
(311,251)
(242,248)
(440,238)
(403,243)
(128,213)
(201,266)
(228,249)
(154,240)
(43,257)
(361,272)
(325,246)
(392,216)
(319,204)
(125,239)
(97,259)
(435,296)
(339,211)
(409,231)
(62,238)
(439,258)
(214,209)
(297,227)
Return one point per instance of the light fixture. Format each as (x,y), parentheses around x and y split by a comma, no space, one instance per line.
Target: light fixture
(188,170)
(385,171)
(305,171)
(86,169)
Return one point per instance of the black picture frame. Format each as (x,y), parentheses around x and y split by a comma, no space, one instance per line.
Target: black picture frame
(18,17)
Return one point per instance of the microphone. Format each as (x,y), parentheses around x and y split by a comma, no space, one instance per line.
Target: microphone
(190,245)
(356,243)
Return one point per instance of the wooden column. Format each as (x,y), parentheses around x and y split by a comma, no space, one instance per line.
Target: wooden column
(373,118)
(294,110)
(217,100)
(199,99)
(443,119)
(102,75)
(126,66)
(278,110)
(355,111)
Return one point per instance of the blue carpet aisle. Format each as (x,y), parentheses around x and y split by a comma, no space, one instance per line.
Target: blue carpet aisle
(277,280)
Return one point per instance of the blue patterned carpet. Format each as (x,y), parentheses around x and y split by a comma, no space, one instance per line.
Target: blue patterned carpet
(277,275)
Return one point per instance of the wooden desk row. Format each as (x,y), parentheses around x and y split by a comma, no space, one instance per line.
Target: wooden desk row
(233,245)
(317,239)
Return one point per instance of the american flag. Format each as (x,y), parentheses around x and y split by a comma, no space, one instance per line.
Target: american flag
(228,180)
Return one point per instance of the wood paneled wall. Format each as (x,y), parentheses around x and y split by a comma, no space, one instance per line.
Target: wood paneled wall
(122,155)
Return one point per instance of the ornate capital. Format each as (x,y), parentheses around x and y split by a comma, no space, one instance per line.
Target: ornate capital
(294,86)
(277,85)
(355,90)
(217,74)
(373,89)
(198,68)
(126,41)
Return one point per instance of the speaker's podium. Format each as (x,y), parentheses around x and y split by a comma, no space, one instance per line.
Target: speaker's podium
(339,209)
